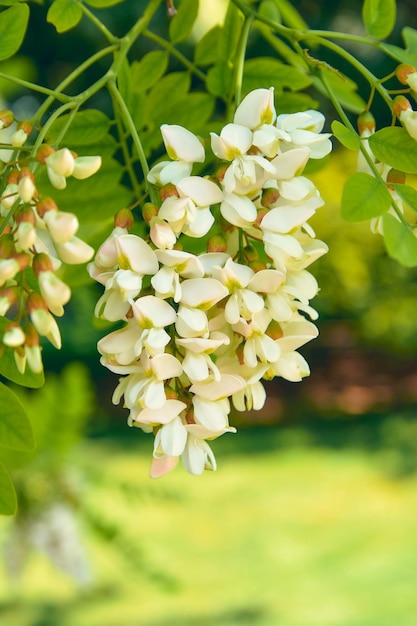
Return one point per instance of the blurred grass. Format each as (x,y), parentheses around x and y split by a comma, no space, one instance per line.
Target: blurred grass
(294,536)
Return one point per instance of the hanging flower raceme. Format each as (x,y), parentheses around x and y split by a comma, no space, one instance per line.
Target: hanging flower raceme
(202,327)
(37,240)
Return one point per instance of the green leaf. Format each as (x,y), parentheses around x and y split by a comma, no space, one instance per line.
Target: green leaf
(64,14)
(206,50)
(13,24)
(379,17)
(230,33)
(400,241)
(182,23)
(15,428)
(102,4)
(165,95)
(346,136)
(407,194)
(8,499)
(268,72)
(87,127)
(290,15)
(146,72)
(218,79)
(394,146)
(343,88)
(364,197)
(269,9)
(293,102)
(409,55)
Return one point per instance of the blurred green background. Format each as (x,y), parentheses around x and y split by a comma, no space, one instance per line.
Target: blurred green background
(310,518)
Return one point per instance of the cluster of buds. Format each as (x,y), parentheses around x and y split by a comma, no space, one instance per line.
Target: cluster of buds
(36,239)
(204,326)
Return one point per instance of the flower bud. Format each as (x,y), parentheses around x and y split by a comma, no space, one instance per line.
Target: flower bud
(33,350)
(403,71)
(6,118)
(124,219)
(61,162)
(149,211)
(400,104)
(167,191)
(44,152)
(162,234)
(62,226)
(8,270)
(8,297)
(251,253)
(13,335)
(19,138)
(46,204)
(9,197)
(269,197)
(217,243)
(42,263)
(366,123)
(396,176)
(86,166)
(274,330)
(26,184)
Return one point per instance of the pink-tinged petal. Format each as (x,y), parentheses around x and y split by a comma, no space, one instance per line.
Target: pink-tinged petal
(181,144)
(162,465)
(201,190)
(152,312)
(135,254)
(216,390)
(291,163)
(166,413)
(166,366)
(256,108)
(202,293)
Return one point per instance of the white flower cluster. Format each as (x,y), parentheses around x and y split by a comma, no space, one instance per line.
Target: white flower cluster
(37,235)
(202,329)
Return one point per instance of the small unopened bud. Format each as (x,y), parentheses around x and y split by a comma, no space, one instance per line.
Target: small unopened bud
(20,136)
(162,234)
(8,297)
(45,205)
(240,354)
(7,247)
(124,219)
(217,243)
(6,118)
(42,263)
(13,335)
(269,197)
(167,191)
(403,71)
(260,215)
(189,416)
(366,123)
(258,265)
(61,162)
(13,177)
(149,210)
(26,185)
(33,350)
(44,152)
(220,172)
(400,104)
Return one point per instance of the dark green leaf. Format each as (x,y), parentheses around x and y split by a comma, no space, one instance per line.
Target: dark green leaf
(293,102)
(346,136)
(268,72)
(394,146)
(87,127)
(400,241)
(182,23)
(399,54)
(64,14)
(206,50)
(13,24)
(269,9)
(8,500)
(15,429)
(379,17)
(364,197)
(146,72)
(290,16)
(164,97)
(407,194)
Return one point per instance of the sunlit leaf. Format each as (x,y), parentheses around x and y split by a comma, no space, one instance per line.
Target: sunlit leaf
(407,194)
(64,14)
(182,23)
(343,88)
(206,50)
(13,24)
(218,79)
(394,146)
(15,429)
(87,127)
(400,241)
(364,197)
(8,500)
(102,4)
(379,17)
(346,136)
